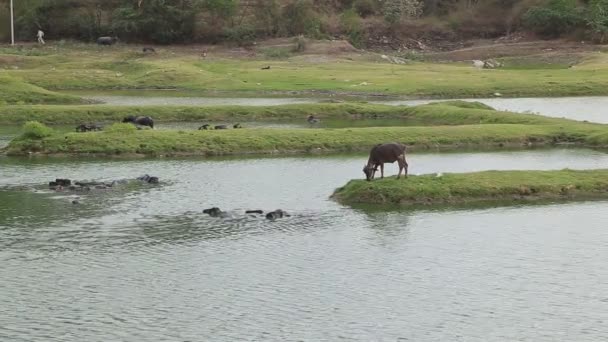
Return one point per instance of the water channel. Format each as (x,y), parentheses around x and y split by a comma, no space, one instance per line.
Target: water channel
(144,264)
(593,109)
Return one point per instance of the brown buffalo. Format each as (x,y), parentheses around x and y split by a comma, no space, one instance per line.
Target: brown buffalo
(385,153)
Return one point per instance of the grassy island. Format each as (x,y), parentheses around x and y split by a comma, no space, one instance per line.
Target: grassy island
(477,187)
(452,125)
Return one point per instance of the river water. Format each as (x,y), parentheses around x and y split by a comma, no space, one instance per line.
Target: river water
(593,109)
(144,264)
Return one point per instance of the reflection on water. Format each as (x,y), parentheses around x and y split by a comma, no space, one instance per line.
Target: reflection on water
(126,265)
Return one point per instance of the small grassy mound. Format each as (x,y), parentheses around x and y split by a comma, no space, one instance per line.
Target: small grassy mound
(445,113)
(13,91)
(477,187)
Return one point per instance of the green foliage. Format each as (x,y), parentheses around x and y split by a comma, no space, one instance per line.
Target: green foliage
(267,17)
(554,18)
(121,128)
(365,8)
(300,17)
(243,35)
(35,130)
(597,19)
(276,53)
(394,10)
(159,21)
(351,24)
(222,9)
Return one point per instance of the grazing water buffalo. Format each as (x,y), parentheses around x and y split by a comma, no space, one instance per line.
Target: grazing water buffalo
(220,127)
(88,128)
(385,153)
(204,127)
(107,40)
(140,120)
(312,120)
(237,125)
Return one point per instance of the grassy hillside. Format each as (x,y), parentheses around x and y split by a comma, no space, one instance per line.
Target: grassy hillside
(81,66)
(13,91)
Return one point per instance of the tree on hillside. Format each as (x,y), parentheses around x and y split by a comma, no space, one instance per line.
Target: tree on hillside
(395,10)
(159,21)
(597,19)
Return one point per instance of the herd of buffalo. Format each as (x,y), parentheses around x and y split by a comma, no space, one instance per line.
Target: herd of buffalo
(67,185)
(378,156)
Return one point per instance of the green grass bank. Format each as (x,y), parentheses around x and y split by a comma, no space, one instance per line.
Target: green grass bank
(443,113)
(285,141)
(477,188)
(13,91)
(86,66)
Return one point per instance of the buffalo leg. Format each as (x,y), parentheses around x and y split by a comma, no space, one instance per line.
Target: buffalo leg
(402,166)
(382,170)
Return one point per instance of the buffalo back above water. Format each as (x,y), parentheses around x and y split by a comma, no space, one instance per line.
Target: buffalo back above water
(140,120)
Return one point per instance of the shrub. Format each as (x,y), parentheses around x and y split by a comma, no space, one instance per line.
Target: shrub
(121,128)
(160,21)
(597,19)
(299,44)
(351,24)
(364,8)
(554,18)
(300,18)
(242,35)
(36,130)
(277,53)
(394,10)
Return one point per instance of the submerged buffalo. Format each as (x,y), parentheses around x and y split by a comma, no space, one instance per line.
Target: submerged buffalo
(148,179)
(215,212)
(61,184)
(139,120)
(204,127)
(273,215)
(107,40)
(385,153)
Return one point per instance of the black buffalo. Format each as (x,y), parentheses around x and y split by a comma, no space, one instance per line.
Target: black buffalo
(88,128)
(140,120)
(107,40)
(215,212)
(273,215)
(385,153)
(204,127)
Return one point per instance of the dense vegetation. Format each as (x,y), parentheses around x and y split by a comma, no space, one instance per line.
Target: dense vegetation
(477,187)
(360,21)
